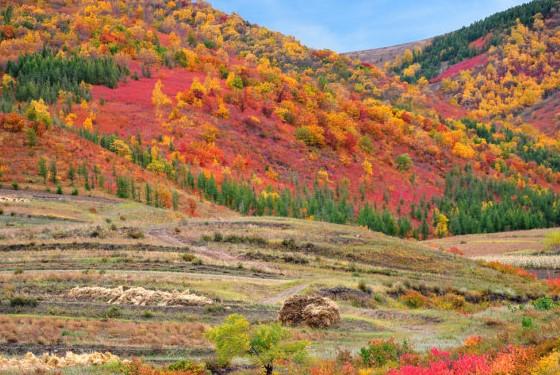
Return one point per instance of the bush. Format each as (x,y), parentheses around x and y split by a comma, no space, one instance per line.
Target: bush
(136,234)
(188,257)
(527,322)
(544,304)
(186,365)
(59,190)
(450,301)
(414,300)
(15,186)
(363,287)
(113,312)
(380,352)
(20,301)
(404,162)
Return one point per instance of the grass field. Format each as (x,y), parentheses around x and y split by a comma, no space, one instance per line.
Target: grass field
(245,265)
(495,243)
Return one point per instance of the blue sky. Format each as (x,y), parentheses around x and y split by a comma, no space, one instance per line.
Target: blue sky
(350,25)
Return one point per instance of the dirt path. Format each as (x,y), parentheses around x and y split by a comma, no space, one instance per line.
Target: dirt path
(168,237)
(164,235)
(281,297)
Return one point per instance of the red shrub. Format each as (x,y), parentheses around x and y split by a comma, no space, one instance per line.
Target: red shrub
(12,122)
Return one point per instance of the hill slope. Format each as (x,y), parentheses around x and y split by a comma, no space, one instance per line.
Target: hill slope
(380,56)
(254,121)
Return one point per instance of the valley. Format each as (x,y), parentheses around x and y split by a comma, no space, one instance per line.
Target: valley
(184,192)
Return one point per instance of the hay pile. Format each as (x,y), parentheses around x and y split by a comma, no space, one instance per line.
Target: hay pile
(31,363)
(139,296)
(314,311)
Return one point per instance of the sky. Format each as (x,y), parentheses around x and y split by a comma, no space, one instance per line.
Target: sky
(352,25)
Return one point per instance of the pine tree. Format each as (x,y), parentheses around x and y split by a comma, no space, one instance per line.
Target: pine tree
(53,171)
(43,171)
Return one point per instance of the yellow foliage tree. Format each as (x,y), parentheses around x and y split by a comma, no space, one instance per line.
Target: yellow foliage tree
(122,149)
(222,111)
(159,99)
(463,151)
(441,225)
(368,168)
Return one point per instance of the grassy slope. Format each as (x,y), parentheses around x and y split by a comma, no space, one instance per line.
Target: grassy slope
(495,243)
(68,149)
(251,272)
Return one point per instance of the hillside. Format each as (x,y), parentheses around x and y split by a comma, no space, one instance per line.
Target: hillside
(183,192)
(380,56)
(253,120)
(469,41)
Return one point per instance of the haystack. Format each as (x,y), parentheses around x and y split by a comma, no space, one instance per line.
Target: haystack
(314,311)
(139,296)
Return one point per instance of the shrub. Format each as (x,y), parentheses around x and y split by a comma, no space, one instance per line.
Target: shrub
(15,186)
(404,162)
(511,270)
(188,257)
(544,304)
(218,237)
(548,365)
(527,322)
(363,287)
(414,299)
(20,301)
(135,233)
(380,352)
(186,365)
(450,301)
(113,312)
(311,135)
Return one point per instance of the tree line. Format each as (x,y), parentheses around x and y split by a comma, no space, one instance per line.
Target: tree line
(487,205)
(470,204)
(44,75)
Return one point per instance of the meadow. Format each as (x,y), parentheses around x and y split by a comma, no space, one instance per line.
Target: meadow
(386,288)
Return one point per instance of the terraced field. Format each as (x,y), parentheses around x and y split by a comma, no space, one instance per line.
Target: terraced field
(52,244)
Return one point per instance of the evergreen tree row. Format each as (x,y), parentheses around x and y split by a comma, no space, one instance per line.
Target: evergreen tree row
(43,75)
(470,203)
(486,205)
(321,203)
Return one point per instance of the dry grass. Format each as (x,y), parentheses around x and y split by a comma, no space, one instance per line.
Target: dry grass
(50,330)
(495,243)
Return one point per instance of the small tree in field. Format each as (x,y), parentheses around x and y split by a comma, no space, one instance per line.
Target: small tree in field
(231,338)
(264,344)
